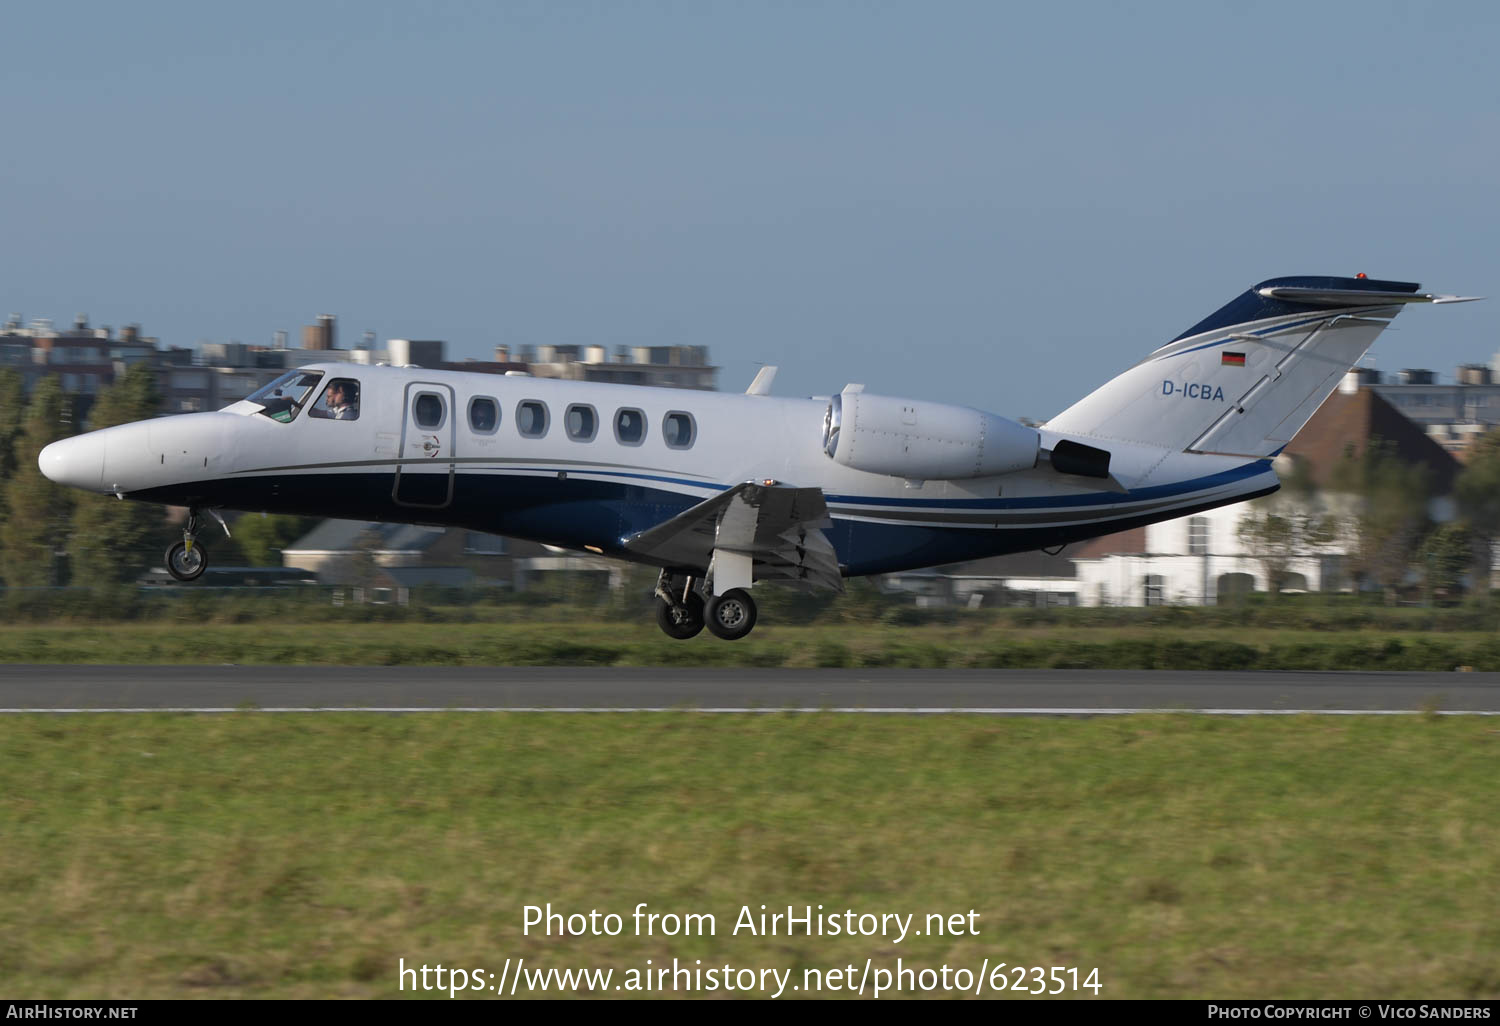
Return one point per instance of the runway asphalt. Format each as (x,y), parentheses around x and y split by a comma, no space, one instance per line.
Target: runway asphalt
(1061,692)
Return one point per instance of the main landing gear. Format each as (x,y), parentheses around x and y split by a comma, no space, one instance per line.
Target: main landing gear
(682,611)
(186,560)
(679,606)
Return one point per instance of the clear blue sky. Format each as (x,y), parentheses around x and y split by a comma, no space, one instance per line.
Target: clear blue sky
(990,203)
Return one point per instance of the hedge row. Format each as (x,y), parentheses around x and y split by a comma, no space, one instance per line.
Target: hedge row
(453,648)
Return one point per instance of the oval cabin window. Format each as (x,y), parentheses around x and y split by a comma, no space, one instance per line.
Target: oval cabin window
(428,410)
(630,427)
(484,415)
(582,422)
(678,430)
(531,419)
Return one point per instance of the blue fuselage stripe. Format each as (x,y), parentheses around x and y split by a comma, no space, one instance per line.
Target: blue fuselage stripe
(1063,501)
(1029,502)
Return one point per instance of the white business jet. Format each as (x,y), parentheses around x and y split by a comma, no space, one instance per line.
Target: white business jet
(723,491)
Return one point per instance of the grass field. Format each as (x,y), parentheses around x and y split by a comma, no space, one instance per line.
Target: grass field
(301,856)
(593,642)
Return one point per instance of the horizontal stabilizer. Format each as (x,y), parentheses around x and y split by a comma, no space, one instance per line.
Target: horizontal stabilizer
(1356,297)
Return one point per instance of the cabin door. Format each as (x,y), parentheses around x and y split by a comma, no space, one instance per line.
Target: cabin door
(425,464)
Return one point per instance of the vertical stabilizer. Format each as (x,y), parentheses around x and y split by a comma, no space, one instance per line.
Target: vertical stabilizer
(1246,378)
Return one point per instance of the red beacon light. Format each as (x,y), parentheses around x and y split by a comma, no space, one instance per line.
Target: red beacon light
(1361,274)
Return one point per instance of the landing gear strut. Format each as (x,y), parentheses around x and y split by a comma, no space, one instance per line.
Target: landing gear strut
(186,560)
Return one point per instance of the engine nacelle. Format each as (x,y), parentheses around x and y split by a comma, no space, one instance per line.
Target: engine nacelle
(923,441)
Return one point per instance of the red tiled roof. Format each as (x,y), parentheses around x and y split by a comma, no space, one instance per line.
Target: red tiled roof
(1345,425)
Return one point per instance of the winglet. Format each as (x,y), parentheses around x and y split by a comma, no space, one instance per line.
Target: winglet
(762,383)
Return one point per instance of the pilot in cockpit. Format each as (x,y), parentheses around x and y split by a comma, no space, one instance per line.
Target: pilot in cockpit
(340,401)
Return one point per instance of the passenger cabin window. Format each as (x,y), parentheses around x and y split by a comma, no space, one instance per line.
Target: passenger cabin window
(532,419)
(582,422)
(484,415)
(282,399)
(630,426)
(678,430)
(339,401)
(427,409)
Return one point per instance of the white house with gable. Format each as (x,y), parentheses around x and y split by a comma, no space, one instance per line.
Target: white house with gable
(1204,558)
(1198,560)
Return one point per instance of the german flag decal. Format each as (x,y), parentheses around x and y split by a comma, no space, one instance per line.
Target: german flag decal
(1233,359)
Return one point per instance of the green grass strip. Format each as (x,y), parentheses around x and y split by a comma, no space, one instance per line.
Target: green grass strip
(571,643)
(266,856)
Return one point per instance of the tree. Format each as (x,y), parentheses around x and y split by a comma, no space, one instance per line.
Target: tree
(1478,492)
(1390,513)
(261,538)
(1446,554)
(112,542)
(1271,540)
(12,416)
(1276,533)
(1292,523)
(37,510)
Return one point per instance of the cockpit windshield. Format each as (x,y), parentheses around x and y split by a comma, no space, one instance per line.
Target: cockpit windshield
(283,398)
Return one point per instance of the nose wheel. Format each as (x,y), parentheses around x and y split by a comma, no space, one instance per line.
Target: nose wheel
(187,560)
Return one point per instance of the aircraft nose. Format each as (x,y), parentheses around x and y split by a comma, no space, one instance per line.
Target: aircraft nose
(77,462)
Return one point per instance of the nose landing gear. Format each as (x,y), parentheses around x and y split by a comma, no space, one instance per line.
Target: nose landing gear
(186,560)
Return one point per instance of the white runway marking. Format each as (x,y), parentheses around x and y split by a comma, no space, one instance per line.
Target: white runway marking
(892,711)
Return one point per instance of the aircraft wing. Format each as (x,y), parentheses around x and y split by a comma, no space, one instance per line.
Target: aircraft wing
(779,527)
